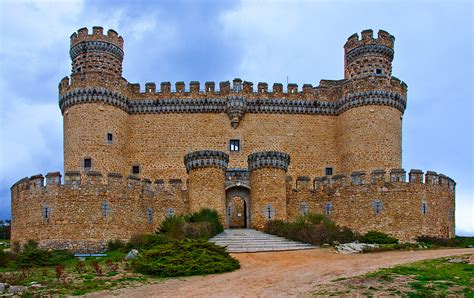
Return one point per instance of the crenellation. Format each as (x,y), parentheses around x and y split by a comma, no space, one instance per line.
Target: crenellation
(247,87)
(415,176)
(150,88)
(210,87)
(262,88)
(194,87)
(53,178)
(431,178)
(165,88)
(302,183)
(397,175)
(377,176)
(277,88)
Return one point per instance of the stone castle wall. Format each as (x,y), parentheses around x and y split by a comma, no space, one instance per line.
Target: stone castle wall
(380,201)
(88,210)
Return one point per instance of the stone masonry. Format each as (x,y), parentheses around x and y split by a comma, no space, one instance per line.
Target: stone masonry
(133,156)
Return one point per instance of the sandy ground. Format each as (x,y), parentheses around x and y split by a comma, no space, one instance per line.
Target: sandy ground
(292,273)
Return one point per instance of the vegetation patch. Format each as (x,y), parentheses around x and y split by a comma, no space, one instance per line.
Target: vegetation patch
(184,258)
(179,248)
(430,278)
(311,228)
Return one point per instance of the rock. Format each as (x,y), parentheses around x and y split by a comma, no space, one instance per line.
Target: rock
(35,286)
(457,260)
(353,247)
(2,288)
(326,245)
(131,254)
(16,289)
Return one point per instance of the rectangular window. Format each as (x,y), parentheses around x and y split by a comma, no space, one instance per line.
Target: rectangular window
(234,145)
(328,171)
(110,137)
(87,163)
(135,170)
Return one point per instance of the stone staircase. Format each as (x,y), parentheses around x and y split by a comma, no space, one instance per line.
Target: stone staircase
(248,240)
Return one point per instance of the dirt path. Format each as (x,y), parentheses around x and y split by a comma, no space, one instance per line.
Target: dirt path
(292,273)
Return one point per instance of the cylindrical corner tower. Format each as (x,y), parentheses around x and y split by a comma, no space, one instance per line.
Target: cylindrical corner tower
(370,115)
(93,104)
(368,55)
(206,171)
(268,186)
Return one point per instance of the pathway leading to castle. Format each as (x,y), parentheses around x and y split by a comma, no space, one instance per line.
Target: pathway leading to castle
(289,273)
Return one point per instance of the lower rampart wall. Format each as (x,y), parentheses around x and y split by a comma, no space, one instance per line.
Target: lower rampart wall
(89,210)
(380,202)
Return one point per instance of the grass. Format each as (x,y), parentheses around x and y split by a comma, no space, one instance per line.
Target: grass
(429,278)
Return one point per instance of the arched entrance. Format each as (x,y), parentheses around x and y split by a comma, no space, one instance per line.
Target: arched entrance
(237,207)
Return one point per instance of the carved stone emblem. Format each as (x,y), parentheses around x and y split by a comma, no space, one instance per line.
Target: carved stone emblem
(236,108)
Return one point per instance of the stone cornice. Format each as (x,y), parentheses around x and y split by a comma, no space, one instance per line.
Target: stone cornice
(222,105)
(369,49)
(206,158)
(94,45)
(268,159)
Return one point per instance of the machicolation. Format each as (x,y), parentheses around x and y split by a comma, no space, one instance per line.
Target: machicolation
(133,156)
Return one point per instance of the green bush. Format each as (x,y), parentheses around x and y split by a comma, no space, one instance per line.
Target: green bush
(115,245)
(5,258)
(197,230)
(458,241)
(378,238)
(144,241)
(33,256)
(210,216)
(314,229)
(184,258)
(172,227)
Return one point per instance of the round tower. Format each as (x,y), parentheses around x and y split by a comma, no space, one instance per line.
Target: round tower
(368,55)
(268,186)
(96,52)
(206,170)
(94,104)
(370,114)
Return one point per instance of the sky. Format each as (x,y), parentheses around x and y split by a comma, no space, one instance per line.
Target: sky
(256,41)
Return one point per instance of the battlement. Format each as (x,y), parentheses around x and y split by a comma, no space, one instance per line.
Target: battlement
(83,35)
(367,38)
(111,182)
(376,177)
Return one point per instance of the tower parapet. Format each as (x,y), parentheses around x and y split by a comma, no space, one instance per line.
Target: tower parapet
(368,55)
(96,52)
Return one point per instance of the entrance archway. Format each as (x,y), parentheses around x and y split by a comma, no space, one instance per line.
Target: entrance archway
(237,207)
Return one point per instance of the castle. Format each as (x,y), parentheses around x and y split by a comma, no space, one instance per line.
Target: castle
(133,157)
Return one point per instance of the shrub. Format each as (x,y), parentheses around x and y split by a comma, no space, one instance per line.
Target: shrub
(144,241)
(115,245)
(32,256)
(210,216)
(315,229)
(458,241)
(198,230)
(378,238)
(184,258)
(172,227)
(5,258)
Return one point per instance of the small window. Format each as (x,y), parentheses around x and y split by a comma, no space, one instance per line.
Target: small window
(328,209)
(269,212)
(149,215)
(377,205)
(87,163)
(424,208)
(328,171)
(304,209)
(234,145)
(135,169)
(46,212)
(378,71)
(169,212)
(110,137)
(105,209)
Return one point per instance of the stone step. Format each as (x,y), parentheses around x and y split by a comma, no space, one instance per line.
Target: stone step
(248,240)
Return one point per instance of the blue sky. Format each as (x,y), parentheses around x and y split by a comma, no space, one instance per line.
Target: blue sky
(256,41)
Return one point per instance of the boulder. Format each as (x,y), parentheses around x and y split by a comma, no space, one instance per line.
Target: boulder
(131,254)
(17,289)
(2,288)
(353,247)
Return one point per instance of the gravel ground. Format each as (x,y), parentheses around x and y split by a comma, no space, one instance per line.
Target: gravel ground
(270,274)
